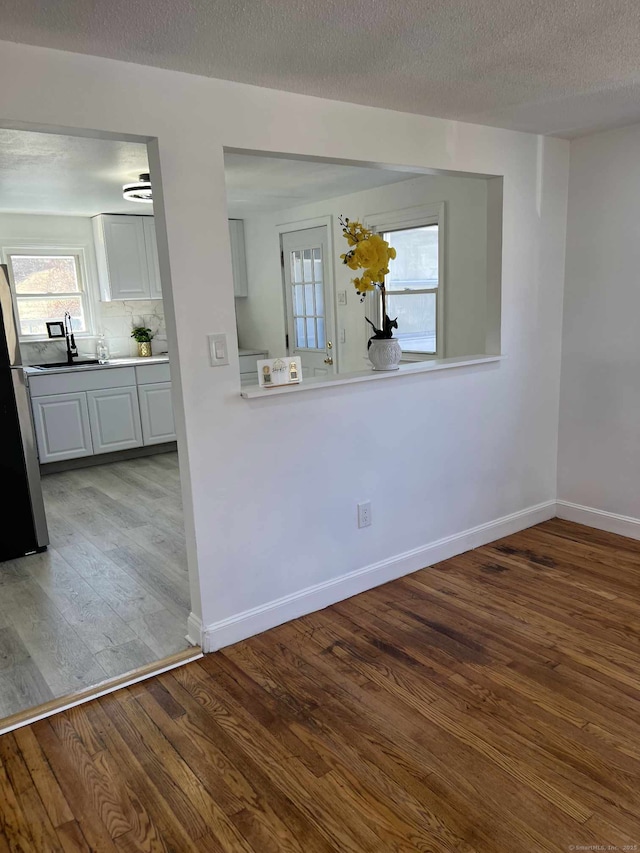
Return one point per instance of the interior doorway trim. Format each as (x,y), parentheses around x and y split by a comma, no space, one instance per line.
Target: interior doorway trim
(283,228)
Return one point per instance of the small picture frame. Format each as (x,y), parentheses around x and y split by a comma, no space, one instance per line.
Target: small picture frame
(55,329)
(275,372)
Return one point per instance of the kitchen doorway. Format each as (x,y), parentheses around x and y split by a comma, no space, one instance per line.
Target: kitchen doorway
(108,598)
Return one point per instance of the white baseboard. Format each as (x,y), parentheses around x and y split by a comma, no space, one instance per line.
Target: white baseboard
(194,630)
(250,622)
(600,519)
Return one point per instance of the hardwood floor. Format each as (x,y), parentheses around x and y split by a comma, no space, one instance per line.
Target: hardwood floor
(489,703)
(111,594)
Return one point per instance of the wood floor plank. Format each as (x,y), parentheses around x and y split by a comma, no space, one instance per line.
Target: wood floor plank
(245,745)
(15,825)
(167,807)
(433,750)
(43,778)
(80,785)
(22,686)
(116,660)
(486,704)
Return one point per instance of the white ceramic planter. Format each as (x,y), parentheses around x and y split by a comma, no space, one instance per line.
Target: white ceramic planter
(385,354)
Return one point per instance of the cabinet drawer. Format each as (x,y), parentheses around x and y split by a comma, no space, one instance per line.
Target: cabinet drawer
(147,374)
(83,380)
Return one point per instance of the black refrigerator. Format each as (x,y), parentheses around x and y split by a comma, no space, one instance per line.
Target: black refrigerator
(23,525)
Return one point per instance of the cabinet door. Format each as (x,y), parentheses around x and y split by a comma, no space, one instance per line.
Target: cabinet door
(155,286)
(156,412)
(114,416)
(126,256)
(238,258)
(62,426)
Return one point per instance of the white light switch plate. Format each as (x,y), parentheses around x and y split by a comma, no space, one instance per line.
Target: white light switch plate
(342,297)
(218,352)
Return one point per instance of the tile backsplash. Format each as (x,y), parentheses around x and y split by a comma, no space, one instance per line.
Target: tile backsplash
(115,320)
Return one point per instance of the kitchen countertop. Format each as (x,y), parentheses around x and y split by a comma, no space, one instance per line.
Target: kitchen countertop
(31,370)
(254,351)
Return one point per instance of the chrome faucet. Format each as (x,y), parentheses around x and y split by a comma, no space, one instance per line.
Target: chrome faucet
(72,349)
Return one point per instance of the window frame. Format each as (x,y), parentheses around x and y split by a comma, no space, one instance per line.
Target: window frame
(84,286)
(400,220)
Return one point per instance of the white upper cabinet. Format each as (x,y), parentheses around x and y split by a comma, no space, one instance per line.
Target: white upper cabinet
(127,257)
(151,247)
(238,258)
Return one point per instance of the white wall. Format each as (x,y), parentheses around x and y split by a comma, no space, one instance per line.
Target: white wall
(599,450)
(271,485)
(113,319)
(261,314)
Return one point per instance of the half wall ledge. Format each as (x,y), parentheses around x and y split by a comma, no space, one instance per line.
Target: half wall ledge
(252,392)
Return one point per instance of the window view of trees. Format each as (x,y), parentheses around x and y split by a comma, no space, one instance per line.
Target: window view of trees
(46,287)
(412,287)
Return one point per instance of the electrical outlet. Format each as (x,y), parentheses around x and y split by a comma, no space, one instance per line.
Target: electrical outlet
(364,514)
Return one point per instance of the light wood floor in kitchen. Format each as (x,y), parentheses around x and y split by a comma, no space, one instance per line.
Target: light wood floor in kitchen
(111,594)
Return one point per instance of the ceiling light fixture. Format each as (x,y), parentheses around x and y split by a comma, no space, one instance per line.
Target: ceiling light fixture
(140,190)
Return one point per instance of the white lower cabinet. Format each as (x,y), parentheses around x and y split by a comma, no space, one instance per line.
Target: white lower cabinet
(114,415)
(156,412)
(101,411)
(62,427)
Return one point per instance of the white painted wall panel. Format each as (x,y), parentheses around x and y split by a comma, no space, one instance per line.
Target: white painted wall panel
(599,458)
(460,448)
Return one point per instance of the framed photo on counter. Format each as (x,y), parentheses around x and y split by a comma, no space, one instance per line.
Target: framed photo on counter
(274,372)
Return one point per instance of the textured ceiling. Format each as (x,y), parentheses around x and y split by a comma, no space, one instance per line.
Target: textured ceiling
(259,184)
(560,67)
(47,173)
(77,176)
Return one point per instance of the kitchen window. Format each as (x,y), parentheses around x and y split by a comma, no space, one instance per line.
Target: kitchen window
(47,283)
(414,282)
(412,288)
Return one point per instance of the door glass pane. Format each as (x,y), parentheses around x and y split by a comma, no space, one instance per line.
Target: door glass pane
(308,300)
(317,265)
(320,299)
(416,266)
(311,333)
(44,274)
(296,266)
(306,261)
(34,313)
(301,338)
(416,313)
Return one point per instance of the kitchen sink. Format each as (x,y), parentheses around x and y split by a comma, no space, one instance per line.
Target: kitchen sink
(81,363)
